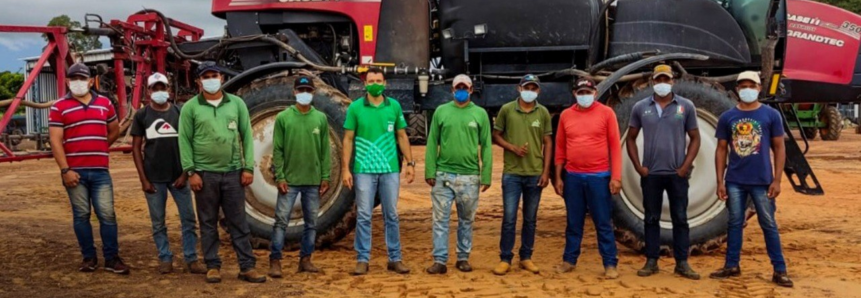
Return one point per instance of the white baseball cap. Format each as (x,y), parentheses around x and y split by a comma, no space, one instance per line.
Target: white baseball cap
(157,78)
(461,79)
(749,75)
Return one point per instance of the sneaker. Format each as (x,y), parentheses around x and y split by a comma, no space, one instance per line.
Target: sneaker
(275,268)
(437,268)
(726,273)
(252,276)
(89,265)
(684,269)
(649,269)
(502,268)
(305,265)
(528,265)
(213,275)
(196,267)
(117,266)
(782,279)
(566,267)
(398,267)
(610,272)
(361,268)
(165,267)
(463,266)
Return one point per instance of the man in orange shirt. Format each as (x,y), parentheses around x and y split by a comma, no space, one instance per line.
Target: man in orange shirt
(588,151)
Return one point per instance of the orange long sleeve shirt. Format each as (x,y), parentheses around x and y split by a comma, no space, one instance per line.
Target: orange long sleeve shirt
(587,141)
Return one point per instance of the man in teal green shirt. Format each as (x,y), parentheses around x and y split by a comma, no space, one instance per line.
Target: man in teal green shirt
(375,124)
(217,152)
(300,156)
(459,137)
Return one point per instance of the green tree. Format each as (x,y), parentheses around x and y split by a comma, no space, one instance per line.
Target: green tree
(10,82)
(850,5)
(78,41)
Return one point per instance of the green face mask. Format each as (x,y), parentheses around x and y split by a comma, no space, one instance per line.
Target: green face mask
(375,89)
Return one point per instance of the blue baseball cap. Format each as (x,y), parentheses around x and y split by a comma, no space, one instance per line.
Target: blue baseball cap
(207,66)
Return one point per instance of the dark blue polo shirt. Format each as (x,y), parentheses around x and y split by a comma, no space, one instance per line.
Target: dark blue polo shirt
(664,132)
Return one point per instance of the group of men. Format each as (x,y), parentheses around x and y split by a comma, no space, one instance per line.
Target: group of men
(206,147)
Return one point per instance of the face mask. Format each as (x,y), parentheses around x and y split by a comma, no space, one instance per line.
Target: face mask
(79,88)
(748,95)
(528,96)
(212,86)
(160,97)
(461,95)
(585,100)
(304,98)
(375,89)
(663,89)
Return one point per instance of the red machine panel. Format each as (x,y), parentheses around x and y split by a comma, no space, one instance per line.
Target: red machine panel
(822,43)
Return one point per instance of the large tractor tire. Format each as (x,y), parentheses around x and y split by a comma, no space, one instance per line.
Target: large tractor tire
(417,128)
(265,98)
(833,123)
(810,132)
(707,215)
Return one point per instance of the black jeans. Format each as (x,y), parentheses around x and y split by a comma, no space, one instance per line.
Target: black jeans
(224,191)
(653,199)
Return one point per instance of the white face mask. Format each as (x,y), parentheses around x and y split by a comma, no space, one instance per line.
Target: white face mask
(79,88)
(160,97)
(663,89)
(212,86)
(748,95)
(585,100)
(304,98)
(528,96)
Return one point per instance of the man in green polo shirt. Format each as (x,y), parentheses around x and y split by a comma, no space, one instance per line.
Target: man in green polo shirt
(375,125)
(300,156)
(217,152)
(459,137)
(523,129)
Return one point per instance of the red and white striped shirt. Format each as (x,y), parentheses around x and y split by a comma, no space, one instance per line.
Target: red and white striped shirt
(85,130)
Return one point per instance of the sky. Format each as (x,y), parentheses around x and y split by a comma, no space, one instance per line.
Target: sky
(14,46)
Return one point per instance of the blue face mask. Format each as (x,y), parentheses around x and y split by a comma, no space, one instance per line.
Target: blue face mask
(304,98)
(748,95)
(212,86)
(585,100)
(461,95)
(528,96)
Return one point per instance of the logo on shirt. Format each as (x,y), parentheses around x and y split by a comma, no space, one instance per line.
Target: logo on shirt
(316,131)
(391,126)
(680,112)
(160,129)
(473,124)
(647,112)
(231,125)
(536,123)
(746,137)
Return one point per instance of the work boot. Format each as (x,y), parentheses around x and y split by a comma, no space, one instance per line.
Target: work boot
(305,265)
(252,276)
(89,265)
(528,265)
(463,266)
(398,267)
(361,268)
(196,267)
(502,268)
(649,269)
(566,267)
(726,273)
(213,275)
(437,268)
(610,272)
(117,266)
(782,279)
(165,267)
(275,268)
(684,270)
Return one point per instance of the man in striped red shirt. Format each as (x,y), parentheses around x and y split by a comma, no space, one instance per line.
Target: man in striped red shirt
(83,124)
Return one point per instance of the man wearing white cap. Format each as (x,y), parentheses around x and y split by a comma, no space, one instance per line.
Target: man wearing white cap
(156,155)
(458,162)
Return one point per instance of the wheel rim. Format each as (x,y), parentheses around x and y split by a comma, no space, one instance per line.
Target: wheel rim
(261,196)
(703,204)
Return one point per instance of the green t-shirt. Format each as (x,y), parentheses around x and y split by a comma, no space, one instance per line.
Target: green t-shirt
(459,142)
(300,148)
(518,128)
(376,146)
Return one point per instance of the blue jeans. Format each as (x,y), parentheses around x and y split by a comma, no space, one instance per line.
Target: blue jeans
(765,207)
(94,191)
(513,186)
(463,191)
(157,204)
(582,191)
(284,208)
(367,187)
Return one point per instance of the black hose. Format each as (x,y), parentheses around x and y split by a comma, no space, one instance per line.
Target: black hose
(594,29)
(620,59)
(605,85)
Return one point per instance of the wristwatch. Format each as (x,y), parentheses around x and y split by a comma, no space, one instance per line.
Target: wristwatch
(65,170)
(190,173)
(411,163)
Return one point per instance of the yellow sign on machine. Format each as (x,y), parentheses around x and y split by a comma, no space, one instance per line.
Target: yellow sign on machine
(369,33)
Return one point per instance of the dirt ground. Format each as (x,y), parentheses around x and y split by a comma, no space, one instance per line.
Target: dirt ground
(821,237)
